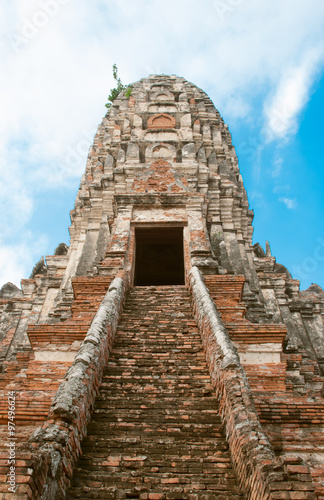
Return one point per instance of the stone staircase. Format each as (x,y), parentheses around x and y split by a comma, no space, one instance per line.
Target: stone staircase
(155,431)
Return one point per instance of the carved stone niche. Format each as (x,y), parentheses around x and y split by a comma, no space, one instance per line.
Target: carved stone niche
(161,120)
(162,96)
(160,150)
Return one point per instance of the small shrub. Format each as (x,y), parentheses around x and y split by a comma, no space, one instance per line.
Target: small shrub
(119,88)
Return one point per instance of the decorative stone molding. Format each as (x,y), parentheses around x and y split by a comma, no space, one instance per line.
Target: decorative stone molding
(161,120)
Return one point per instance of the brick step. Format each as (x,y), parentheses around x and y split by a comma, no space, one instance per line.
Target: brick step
(147,348)
(153,321)
(255,333)
(225,284)
(140,313)
(154,297)
(167,445)
(164,479)
(36,378)
(136,298)
(96,285)
(315,444)
(156,341)
(167,395)
(153,317)
(209,450)
(161,372)
(135,301)
(306,419)
(152,360)
(85,305)
(146,315)
(26,415)
(159,384)
(136,304)
(162,354)
(42,385)
(147,492)
(292,412)
(162,363)
(143,379)
(148,390)
(181,429)
(222,296)
(34,394)
(155,431)
(226,293)
(184,468)
(175,332)
(172,334)
(175,447)
(157,346)
(159,367)
(158,403)
(88,294)
(201,475)
(121,386)
(192,431)
(136,401)
(145,363)
(164,418)
(238,310)
(65,334)
(158,306)
(29,384)
(170,407)
(148,323)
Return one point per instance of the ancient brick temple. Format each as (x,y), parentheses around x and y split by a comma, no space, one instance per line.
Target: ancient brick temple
(162,355)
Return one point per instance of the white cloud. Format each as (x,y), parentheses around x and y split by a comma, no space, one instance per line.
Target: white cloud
(18,260)
(258,200)
(16,204)
(281,189)
(292,94)
(277,166)
(289,202)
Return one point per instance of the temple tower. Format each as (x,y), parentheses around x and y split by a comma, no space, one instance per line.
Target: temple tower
(162,204)
(164,158)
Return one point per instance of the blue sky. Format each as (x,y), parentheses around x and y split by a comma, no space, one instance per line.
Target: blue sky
(262,64)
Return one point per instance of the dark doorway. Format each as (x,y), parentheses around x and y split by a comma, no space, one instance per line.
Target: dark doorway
(159,256)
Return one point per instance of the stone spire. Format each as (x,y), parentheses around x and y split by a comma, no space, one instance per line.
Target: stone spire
(166,145)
